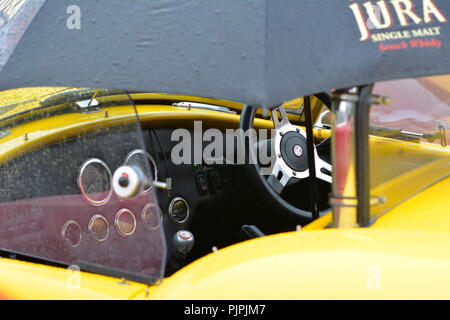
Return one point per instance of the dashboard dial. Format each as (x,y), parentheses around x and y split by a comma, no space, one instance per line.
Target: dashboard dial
(151,216)
(99,227)
(125,222)
(94,181)
(179,210)
(71,233)
(145,161)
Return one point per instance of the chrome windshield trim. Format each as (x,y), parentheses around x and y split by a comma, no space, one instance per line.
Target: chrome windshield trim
(203,106)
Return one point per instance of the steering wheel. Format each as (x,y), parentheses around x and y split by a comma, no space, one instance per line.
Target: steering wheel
(291,162)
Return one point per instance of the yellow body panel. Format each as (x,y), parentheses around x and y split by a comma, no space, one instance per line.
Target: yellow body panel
(24,280)
(9,99)
(428,211)
(405,254)
(328,264)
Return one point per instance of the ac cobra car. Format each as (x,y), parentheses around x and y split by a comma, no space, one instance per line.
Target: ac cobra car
(334,188)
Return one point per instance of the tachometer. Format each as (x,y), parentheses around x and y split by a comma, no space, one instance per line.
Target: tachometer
(94,181)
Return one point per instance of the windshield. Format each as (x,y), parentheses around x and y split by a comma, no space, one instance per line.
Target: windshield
(59,156)
(409,139)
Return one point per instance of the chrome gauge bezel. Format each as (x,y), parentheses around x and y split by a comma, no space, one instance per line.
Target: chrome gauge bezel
(171,210)
(158,209)
(116,222)
(80,182)
(98,216)
(150,158)
(64,229)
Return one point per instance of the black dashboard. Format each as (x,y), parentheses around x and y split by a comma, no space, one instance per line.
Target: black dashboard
(196,186)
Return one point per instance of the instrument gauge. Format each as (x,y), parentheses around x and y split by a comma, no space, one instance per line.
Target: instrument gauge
(145,161)
(71,233)
(99,227)
(179,210)
(94,181)
(125,222)
(151,216)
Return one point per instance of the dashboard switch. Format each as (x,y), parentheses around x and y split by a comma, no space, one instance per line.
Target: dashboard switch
(202,183)
(215,182)
(128,181)
(123,181)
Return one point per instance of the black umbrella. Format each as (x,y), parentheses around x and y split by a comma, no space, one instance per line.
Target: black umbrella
(257,52)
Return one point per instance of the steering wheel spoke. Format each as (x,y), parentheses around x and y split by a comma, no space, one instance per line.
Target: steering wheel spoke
(279,177)
(323,169)
(284,118)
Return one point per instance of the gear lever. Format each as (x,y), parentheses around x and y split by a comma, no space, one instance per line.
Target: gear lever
(182,242)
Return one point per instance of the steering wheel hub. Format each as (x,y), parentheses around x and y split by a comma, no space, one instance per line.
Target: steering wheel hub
(298,151)
(294,151)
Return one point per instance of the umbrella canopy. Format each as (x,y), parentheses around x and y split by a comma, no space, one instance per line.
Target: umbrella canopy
(256,52)
(15,16)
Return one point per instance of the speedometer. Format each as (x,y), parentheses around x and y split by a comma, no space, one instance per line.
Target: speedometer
(94,181)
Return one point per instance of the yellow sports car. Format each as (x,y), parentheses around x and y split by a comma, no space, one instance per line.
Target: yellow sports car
(253,175)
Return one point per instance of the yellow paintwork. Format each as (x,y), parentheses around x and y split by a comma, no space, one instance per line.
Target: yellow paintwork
(388,156)
(428,211)
(66,125)
(405,254)
(17,100)
(399,169)
(24,280)
(328,264)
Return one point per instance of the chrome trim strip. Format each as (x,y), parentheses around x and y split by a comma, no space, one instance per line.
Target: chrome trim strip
(204,106)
